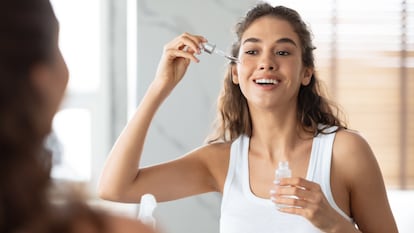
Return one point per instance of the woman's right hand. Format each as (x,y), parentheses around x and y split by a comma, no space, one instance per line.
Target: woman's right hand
(176,57)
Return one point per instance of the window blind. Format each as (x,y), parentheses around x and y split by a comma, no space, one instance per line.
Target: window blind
(365,56)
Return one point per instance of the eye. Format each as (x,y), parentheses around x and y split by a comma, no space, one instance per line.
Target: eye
(282,53)
(251,52)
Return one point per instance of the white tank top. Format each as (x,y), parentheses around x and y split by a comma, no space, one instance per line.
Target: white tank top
(244,212)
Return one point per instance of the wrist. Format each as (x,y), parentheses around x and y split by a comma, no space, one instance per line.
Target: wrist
(163,84)
(160,88)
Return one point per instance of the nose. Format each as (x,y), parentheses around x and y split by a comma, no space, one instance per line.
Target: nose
(266,67)
(267,62)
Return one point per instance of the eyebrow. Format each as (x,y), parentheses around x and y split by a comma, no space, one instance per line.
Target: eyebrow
(281,40)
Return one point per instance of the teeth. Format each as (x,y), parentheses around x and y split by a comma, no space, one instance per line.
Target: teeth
(266,81)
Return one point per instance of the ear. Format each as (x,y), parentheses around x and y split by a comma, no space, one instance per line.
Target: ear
(234,74)
(307,75)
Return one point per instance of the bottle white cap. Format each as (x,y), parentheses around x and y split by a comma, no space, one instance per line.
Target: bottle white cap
(283,165)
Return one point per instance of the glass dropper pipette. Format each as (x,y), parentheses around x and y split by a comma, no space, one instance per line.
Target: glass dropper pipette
(211,48)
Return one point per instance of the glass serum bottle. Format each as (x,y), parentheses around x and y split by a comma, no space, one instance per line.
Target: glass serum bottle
(283,171)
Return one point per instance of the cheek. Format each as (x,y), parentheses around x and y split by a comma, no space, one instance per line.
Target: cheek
(246,60)
(246,66)
(60,80)
(243,73)
(293,69)
(63,73)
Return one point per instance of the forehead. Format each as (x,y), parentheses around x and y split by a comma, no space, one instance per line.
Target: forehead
(270,28)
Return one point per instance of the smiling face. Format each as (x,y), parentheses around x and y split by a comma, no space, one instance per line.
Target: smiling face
(271,70)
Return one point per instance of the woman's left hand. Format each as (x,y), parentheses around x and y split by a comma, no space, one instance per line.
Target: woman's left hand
(310,202)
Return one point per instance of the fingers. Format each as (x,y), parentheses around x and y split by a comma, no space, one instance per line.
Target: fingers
(176,57)
(314,207)
(301,197)
(186,45)
(297,192)
(174,53)
(299,182)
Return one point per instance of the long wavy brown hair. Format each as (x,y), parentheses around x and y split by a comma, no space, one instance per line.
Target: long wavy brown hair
(28,30)
(314,109)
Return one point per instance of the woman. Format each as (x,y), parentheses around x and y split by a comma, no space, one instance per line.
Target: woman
(33,78)
(270,110)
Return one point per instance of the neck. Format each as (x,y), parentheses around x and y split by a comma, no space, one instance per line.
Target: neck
(276,134)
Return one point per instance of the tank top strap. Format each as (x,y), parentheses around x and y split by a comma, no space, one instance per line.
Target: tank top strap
(319,169)
(236,169)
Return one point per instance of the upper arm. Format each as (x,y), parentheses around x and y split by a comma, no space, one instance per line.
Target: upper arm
(196,172)
(368,201)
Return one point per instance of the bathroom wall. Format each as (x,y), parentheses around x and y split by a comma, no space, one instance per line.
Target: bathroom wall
(185,118)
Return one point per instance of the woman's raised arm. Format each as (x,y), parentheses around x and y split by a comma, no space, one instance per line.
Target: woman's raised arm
(122,179)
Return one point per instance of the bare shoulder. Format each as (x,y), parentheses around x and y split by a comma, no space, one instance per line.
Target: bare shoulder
(353,155)
(212,153)
(126,225)
(218,149)
(351,145)
(108,223)
(216,156)
(350,141)
(355,164)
